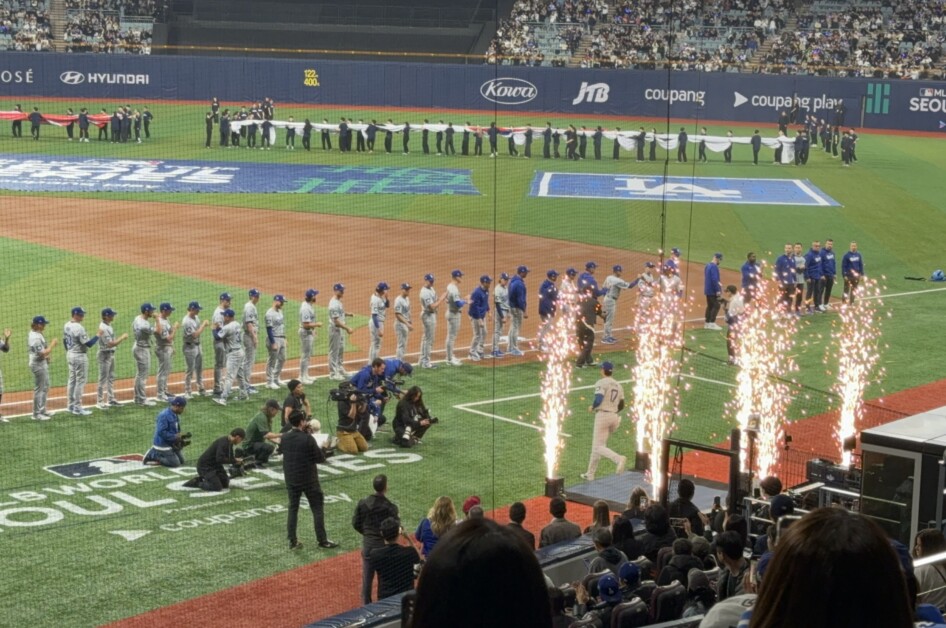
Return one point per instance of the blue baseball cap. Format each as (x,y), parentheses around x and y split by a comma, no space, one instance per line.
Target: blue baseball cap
(456,273)
(429,277)
(225,296)
(382,287)
(40,320)
(229,312)
(108,312)
(405,286)
(339,287)
(147,307)
(608,589)
(552,273)
(279,298)
(571,272)
(167,307)
(179,401)
(78,311)
(618,268)
(590,265)
(407,368)
(486,279)
(718,255)
(675,251)
(504,275)
(629,573)
(253,292)
(194,305)
(522,269)
(607,366)
(311,293)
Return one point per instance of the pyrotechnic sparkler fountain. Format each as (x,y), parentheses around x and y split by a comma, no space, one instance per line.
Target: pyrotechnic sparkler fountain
(558,345)
(858,351)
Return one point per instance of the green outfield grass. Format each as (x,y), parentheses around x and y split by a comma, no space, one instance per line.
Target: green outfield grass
(76,568)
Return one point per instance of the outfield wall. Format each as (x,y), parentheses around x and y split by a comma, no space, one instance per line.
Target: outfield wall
(906,105)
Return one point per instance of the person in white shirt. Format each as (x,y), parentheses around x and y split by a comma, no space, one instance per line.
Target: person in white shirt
(735,308)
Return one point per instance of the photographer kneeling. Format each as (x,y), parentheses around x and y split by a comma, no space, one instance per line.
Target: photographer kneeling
(353,417)
(411,419)
(259,431)
(210,466)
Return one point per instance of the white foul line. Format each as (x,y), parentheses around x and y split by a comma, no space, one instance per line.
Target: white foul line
(807,190)
(544,183)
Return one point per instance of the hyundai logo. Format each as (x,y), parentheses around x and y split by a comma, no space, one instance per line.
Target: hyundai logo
(509,91)
(72,77)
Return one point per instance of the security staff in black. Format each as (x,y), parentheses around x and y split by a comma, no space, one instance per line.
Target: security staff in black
(425,138)
(682,145)
(326,137)
(307,135)
(756,146)
(126,125)
(209,123)
(36,119)
(103,130)
(70,128)
(465,142)
(370,134)
(582,142)
(440,140)
(556,140)
(547,141)
(146,118)
(388,137)
(344,139)
(406,137)
(527,152)
(301,455)
(587,318)
(210,465)
(596,141)
(253,127)
(83,124)
(640,140)
(225,128)
(448,134)
(18,124)
(360,139)
(653,144)
(493,139)
(369,513)
(215,109)
(478,142)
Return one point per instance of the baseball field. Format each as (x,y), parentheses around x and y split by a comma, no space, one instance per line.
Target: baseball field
(90,536)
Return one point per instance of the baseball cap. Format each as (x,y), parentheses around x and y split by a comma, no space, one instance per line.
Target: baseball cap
(382,287)
(649,265)
(429,277)
(40,320)
(253,292)
(552,273)
(179,401)
(590,265)
(486,279)
(617,268)
(272,403)
(167,307)
(109,312)
(630,573)
(675,251)
(407,368)
(194,305)
(607,366)
(718,255)
(229,312)
(504,275)
(522,269)
(279,298)
(456,273)
(668,265)
(78,311)
(781,505)
(697,580)
(571,272)
(225,296)
(147,307)
(608,589)
(405,286)
(472,500)
(311,292)
(339,287)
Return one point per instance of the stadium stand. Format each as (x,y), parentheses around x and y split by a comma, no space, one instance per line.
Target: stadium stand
(110,26)
(24,25)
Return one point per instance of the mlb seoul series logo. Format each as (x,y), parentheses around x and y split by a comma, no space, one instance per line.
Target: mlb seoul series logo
(97,467)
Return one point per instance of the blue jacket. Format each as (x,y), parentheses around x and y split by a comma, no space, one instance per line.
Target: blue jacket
(517,293)
(750,275)
(587,279)
(366,381)
(166,429)
(852,263)
(829,265)
(785,270)
(479,303)
(711,285)
(813,264)
(548,295)
(391,367)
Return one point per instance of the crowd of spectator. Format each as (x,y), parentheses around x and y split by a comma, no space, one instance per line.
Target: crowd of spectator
(24,25)
(125,7)
(517,41)
(98,31)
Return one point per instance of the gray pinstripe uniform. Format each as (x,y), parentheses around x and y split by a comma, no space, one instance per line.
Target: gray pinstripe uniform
(277,357)
(231,335)
(501,301)
(142,331)
(39,365)
(220,355)
(193,354)
(428,296)
(453,317)
(164,349)
(402,307)
(336,340)
(250,317)
(306,337)
(77,358)
(379,311)
(613,284)
(106,360)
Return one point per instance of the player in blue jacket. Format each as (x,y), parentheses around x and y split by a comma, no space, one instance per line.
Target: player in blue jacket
(814,277)
(548,301)
(479,314)
(829,266)
(166,446)
(713,290)
(751,272)
(517,308)
(785,276)
(587,278)
(852,268)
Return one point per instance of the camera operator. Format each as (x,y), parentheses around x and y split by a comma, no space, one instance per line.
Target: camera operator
(353,428)
(259,431)
(213,477)
(394,368)
(168,440)
(411,419)
(296,401)
(369,381)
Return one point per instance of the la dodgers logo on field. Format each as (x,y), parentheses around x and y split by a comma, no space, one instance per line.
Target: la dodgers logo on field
(594,92)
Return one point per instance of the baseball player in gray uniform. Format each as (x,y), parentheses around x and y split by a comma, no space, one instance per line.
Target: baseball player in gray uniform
(193,327)
(250,338)
(607,404)
(336,341)
(77,343)
(106,358)
(220,356)
(39,352)
(142,330)
(379,312)
(428,306)
(454,305)
(501,303)
(402,324)
(231,334)
(4,347)
(164,333)
(276,341)
(307,327)
(613,284)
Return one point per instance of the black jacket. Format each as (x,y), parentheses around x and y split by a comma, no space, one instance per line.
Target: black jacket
(214,457)
(677,569)
(369,513)
(301,454)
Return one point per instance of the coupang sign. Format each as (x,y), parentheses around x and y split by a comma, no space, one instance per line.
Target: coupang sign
(509,91)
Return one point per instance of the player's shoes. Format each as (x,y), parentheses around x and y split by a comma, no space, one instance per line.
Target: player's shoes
(102,406)
(620,468)
(587,477)
(272,386)
(475,357)
(4,419)
(609,340)
(307,380)
(77,411)
(114,403)
(497,354)
(428,366)
(162,398)
(220,401)
(252,390)
(515,352)
(455,362)
(41,417)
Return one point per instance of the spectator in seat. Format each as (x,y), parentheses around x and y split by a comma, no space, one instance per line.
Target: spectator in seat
(481,574)
(636,504)
(700,594)
(659,533)
(622,536)
(395,563)
(931,579)
(683,507)
(609,596)
(560,529)
(609,557)
(517,514)
(778,507)
(680,563)
(734,566)
(601,517)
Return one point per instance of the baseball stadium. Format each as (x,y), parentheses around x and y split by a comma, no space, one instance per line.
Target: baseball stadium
(455,270)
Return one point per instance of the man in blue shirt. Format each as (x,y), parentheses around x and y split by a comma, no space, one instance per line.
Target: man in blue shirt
(829,266)
(785,276)
(750,277)
(587,278)
(479,314)
(712,289)
(167,443)
(517,308)
(814,277)
(548,299)
(852,267)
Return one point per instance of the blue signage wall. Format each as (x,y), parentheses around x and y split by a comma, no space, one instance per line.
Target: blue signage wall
(908,105)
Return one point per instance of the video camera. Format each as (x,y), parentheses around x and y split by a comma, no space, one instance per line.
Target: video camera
(183,440)
(239,469)
(393,386)
(344,393)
